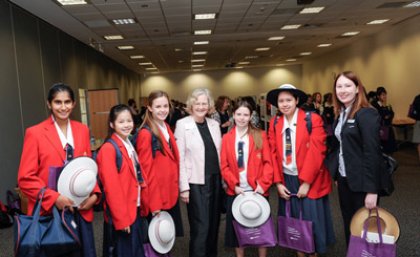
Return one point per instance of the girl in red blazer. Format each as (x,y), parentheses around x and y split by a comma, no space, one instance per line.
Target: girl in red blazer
(246,165)
(122,188)
(298,151)
(161,164)
(44,147)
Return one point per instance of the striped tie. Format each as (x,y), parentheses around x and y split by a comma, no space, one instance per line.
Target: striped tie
(288,147)
(241,156)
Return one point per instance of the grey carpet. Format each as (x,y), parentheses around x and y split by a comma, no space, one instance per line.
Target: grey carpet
(404,204)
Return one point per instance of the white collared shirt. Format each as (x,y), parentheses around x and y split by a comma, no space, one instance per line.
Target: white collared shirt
(243,180)
(64,139)
(164,130)
(291,168)
(341,121)
(133,156)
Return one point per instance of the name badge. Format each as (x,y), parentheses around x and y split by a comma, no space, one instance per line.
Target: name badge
(350,121)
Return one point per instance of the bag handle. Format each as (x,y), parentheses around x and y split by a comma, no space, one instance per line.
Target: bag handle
(378,224)
(287,205)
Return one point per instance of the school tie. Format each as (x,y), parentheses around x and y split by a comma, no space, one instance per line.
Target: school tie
(288,147)
(241,156)
(69,153)
(138,168)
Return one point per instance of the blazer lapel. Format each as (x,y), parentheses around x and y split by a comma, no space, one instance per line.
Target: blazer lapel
(124,153)
(51,135)
(279,136)
(166,146)
(232,148)
(300,130)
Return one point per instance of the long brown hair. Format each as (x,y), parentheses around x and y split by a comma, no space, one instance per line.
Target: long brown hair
(360,100)
(254,132)
(148,119)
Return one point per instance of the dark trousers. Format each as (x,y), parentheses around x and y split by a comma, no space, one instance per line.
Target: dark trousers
(86,236)
(350,202)
(204,217)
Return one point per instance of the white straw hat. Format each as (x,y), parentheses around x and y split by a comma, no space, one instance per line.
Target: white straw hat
(162,232)
(250,209)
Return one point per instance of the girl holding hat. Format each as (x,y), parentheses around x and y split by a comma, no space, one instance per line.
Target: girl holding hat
(160,165)
(199,140)
(245,164)
(48,146)
(355,157)
(122,188)
(298,151)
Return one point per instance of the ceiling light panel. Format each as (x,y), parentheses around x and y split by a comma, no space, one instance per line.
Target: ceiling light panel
(324,45)
(145,63)
(309,10)
(375,22)
(197,65)
(205,16)
(136,56)
(125,47)
(198,60)
(305,53)
(201,42)
(123,21)
(199,53)
(243,63)
(292,26)
(350,33)
(276,38)
(202,32)
(113,37)
(261,49)
(290,60)
(413,4)
(71,2)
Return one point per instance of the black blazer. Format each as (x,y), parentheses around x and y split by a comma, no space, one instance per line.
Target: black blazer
(361,151)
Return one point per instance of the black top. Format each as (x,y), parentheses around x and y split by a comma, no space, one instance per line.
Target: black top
(224,117)
(211,160)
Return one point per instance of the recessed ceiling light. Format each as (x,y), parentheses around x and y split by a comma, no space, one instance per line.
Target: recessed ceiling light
(260,49)
(290,60)
(243,63)
(123,21)
(145,63)
(71,2)
(202,32)
(113,37)
(198,60)
(350,33)
(199,53)
(238,67)
(181,61)
(293,26)
(305,53)
(201,42)
(280,64)
(374,22)
(413,4)
(276,38)
(251,57)
(324,45)
(197,65)
(196,70)
(312,10)
(151,68)
(137,56)
(125,47)
(205,16)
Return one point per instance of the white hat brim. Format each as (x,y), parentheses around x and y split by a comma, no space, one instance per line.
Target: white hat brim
(263,203)
(157,246)
(77,164)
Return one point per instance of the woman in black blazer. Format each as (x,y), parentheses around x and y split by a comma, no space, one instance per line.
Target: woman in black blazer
(355,157)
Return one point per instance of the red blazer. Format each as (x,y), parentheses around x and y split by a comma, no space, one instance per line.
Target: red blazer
(120,188)
(162,172)
(42,149)
(259,169)
(310,154)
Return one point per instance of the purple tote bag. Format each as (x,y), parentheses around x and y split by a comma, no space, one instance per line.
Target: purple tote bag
(359,247)
(53,175)
(149,252)
(261,236)
(295,233)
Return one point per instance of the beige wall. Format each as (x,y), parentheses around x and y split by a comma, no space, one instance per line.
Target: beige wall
(233,83)
(390,59)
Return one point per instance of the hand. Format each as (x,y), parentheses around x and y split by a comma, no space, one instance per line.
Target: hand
(239,190)
(185,196)
(259,189)
(127,230)
(303,190)
(283,191)
(88,203)
(63,201)
(370,200)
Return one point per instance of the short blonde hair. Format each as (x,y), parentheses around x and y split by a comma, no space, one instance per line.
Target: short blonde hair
(192,98)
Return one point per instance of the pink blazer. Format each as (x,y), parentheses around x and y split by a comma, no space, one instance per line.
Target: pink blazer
(191,150)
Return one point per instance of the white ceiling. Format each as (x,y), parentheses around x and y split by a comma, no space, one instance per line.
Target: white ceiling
(240,27)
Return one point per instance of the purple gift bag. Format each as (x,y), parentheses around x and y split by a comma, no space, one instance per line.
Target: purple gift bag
(261,236)
(384,133)
(150,252)
(360,247)
(53,175)
(295,233)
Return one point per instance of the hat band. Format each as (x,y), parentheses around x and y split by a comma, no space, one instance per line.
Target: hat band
(72,182)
